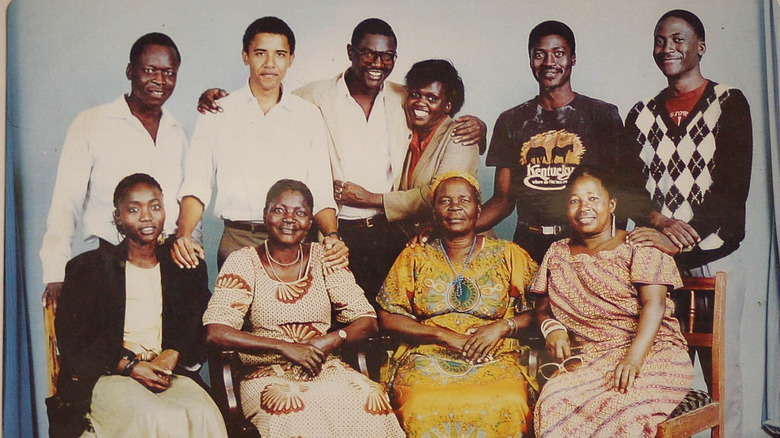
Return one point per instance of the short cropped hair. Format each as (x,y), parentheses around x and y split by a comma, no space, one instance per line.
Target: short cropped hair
(433,70)
(373,26)
(607,177)
(272,25)
(130,181)
(284,185)
(551,27)
(154,38)
(688,17)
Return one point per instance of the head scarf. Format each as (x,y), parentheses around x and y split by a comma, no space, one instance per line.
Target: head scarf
(454,174)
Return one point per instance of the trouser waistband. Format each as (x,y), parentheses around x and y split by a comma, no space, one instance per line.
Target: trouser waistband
(252,227)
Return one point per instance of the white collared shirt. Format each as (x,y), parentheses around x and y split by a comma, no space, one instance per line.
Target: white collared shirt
(105,144)
(365,158)
(245,151)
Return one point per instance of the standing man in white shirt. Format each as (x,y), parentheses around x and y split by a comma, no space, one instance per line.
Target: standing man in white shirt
(262,135)
(133,134)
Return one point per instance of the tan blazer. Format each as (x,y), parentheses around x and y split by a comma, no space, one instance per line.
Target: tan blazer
(442,154)
(322,94)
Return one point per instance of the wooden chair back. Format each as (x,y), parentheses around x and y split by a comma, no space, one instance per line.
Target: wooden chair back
(52,353)
(711,415)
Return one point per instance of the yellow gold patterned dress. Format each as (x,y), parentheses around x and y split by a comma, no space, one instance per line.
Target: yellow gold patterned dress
(279,399)
(434,391)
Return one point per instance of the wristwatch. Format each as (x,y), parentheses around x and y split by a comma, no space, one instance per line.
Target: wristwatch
(343,335)
(332,233)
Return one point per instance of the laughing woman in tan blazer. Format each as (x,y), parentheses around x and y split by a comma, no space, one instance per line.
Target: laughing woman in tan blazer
(435,94)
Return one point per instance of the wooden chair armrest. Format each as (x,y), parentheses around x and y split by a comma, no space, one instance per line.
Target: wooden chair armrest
(225,368)
(369,355)
(228,369)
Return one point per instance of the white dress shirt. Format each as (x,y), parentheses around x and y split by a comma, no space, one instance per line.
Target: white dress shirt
(245,151)
(105,144)
(365,155)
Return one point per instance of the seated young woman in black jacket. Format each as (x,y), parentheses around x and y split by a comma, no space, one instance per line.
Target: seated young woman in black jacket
(130,334)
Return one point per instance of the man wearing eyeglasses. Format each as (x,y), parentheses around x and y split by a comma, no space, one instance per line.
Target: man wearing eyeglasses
(369,138)
(104,144)
(538,144)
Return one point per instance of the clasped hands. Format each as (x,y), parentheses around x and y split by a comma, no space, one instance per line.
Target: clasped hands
(671,236)
(153,377)
(311,353)
(478,342)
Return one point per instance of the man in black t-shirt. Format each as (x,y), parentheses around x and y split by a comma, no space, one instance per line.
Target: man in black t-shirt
(538,144)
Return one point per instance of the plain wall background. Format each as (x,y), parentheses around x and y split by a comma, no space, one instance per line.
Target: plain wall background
(64,57)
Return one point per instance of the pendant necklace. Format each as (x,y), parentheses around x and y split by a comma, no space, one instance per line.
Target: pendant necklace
(459,279)
(289,291)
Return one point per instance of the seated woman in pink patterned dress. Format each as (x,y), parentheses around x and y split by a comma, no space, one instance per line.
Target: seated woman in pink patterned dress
(273,304)
(632,368)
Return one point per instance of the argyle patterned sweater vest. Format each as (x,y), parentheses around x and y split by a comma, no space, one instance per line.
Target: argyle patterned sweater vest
(678,161)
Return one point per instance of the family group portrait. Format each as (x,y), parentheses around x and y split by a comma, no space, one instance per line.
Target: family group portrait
(353,218)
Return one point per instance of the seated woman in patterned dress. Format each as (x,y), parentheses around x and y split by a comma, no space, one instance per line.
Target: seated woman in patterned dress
(632,368)
(273,304)
(452,303)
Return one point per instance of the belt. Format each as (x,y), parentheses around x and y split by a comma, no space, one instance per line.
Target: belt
(545,230)
(252,227)
(368,222)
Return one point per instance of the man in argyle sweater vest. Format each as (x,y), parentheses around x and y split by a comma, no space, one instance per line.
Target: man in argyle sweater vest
(698,172)
(694,146)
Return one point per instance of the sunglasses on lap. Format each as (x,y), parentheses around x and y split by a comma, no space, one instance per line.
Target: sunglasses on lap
(553,369)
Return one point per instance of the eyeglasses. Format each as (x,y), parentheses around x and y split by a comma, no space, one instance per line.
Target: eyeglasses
(552,369)
(369,56)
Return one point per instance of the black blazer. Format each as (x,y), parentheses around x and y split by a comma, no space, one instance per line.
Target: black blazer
(90,325)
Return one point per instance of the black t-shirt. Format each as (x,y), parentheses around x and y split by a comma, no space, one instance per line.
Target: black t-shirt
(544,147)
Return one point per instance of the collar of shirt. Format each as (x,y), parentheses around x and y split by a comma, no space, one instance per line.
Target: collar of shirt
(120,110)
(343,90)
(417,147)
(246,96)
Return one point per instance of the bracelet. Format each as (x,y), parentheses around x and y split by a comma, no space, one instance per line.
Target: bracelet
(512,326)
(547,322)
(332,233)
(550,325)
(129,367)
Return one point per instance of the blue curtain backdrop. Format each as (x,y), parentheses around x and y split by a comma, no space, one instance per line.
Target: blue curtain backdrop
(18,399)
(770,418)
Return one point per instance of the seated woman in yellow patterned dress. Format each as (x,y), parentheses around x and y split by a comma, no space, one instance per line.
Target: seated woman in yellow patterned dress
(632,369)
(451,302)
(273,304)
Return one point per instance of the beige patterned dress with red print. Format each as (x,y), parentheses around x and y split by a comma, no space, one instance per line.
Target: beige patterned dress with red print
(278,397)
(596,298)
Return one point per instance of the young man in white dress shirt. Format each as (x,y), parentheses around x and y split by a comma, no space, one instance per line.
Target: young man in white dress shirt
(262,135)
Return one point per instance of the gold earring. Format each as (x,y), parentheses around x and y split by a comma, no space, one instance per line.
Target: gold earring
(613,224)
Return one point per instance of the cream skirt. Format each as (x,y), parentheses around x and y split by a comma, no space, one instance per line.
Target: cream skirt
(122,407)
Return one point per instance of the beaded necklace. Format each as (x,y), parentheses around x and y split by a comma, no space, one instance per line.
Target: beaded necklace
(271,259)
(290,291)
(459,279)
